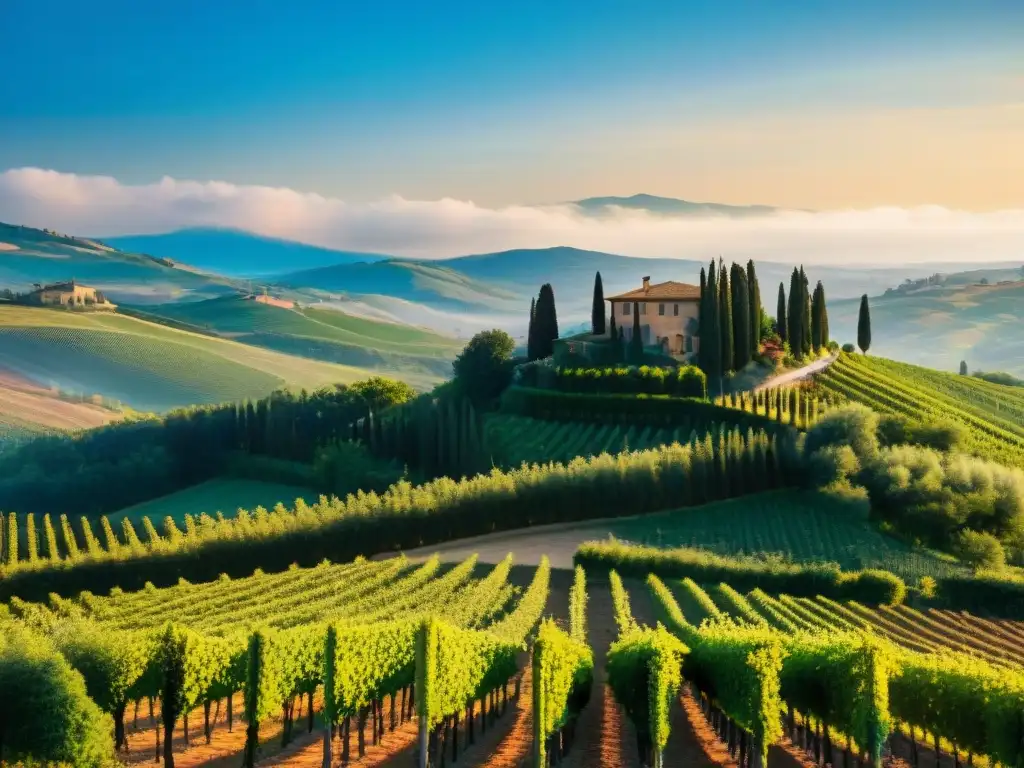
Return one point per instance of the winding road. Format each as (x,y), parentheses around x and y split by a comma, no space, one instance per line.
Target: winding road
(797,375)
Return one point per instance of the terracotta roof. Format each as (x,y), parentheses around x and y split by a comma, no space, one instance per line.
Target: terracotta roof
(670,291)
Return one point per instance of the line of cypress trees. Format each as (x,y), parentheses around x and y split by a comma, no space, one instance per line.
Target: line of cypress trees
(805,309)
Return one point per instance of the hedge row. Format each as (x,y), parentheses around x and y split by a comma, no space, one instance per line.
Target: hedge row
(408,516)
(744,574)
(634,409)
(685,381)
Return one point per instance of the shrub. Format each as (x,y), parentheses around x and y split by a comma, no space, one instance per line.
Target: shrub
(832,464)
(931,497)
(854,425)
(833,347)
(928,587)
(980,550)
(849,349)
(941,436)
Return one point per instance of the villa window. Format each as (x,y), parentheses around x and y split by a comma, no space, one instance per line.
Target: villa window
(661,309)
(643,307)
(675,310)
(626,307)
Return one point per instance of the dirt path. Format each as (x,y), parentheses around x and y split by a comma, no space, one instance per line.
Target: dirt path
(798,375)
(604,737)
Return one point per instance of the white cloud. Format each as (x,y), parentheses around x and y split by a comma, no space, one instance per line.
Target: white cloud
(101,205)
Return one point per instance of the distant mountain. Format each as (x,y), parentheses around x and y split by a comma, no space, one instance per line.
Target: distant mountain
(429,283)
(670,206)
(236,253)
(30,256)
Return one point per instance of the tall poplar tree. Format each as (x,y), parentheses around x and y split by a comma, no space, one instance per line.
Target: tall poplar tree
(597,313)
(780,314)
(728,353)
(754,295)
(864,325)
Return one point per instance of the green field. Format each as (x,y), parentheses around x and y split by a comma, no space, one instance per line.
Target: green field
(320,334)
(992,414)
(221,495)
(147,366)
(796,526)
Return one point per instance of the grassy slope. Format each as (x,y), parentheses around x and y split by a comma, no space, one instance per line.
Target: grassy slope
(221,495)
(320,334)
(941,326)
(148,366)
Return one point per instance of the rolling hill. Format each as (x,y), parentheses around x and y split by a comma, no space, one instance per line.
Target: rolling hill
(147,366)
(322,334)
(435,284)
(30,256)
(940,325)
(235,252)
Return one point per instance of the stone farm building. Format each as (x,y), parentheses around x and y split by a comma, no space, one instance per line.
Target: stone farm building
(69,294)
(669,314)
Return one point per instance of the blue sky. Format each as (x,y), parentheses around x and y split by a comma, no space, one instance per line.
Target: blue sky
(810,104)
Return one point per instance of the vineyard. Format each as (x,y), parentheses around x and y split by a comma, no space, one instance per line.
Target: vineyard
(993,415)
(341,639)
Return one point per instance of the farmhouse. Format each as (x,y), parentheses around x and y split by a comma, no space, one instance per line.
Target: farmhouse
(669,314)
(69,294)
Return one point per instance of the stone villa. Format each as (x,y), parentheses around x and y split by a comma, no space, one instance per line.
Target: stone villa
(69,294)
(669,314)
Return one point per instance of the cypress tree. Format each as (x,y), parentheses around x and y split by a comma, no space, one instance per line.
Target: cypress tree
(963,367)
(711,342)
(597,313)
(795,315)
(531,333)
(805,308)
(864,325)
(612,333)
(816,318)
(825,337)
(754,296)
(702,317)
(546,322)
(725,319)
(740,318)
(636,342)
(780,314)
